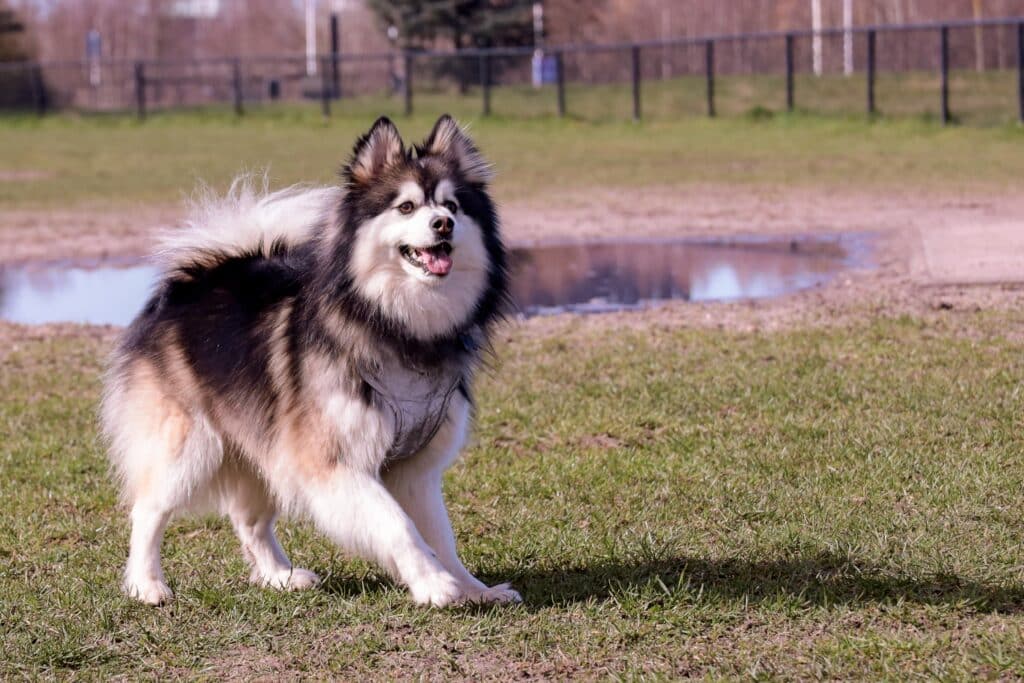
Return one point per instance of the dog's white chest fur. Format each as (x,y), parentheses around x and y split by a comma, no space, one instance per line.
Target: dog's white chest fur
(416,400)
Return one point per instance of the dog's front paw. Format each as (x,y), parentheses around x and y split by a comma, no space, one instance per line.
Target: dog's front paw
(149,591)
(294,579)
(301,579)
(503,593)
(438,590)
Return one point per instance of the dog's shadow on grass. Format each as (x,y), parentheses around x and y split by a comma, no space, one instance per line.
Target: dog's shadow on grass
(340,584)
(818,580)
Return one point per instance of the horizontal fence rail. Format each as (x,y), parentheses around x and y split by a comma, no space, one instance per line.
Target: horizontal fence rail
(781,69)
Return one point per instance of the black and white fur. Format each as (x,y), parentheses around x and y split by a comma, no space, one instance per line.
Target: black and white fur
(311,351)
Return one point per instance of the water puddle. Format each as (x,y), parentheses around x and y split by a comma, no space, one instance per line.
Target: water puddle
(590,277)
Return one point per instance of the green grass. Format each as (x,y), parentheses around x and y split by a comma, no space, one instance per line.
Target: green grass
(985,99)
(841,503)
(112,161)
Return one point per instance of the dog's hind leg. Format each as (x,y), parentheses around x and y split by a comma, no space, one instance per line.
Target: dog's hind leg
(173,476)
(143,575)
(163,456)
(252,511)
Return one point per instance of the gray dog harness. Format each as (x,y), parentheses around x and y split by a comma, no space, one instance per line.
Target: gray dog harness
(418,401)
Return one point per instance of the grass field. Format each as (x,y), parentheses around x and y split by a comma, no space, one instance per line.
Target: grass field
(985,99)
(811,503)
(114,161)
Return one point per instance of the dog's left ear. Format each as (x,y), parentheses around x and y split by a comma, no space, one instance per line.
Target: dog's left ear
(449,141)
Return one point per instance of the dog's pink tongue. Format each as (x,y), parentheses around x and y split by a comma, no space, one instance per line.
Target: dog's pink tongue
(437,261)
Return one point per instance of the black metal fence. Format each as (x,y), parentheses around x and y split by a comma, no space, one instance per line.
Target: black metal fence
(954,70)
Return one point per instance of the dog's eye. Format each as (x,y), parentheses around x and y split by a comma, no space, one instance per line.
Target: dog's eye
(405,208)
(451,206)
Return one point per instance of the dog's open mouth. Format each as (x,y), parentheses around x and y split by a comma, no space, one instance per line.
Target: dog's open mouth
(435,260)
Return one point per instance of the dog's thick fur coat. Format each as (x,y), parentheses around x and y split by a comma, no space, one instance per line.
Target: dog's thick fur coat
(312,351)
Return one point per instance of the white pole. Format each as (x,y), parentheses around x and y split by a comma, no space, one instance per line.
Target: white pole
(666,33)
(979,45)
(848,37)
(537,64)
(816,38)
(310,37)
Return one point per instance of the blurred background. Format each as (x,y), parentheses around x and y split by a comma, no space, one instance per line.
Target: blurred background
(586,58)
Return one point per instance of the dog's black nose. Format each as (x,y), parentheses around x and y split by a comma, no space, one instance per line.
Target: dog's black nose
(442,225)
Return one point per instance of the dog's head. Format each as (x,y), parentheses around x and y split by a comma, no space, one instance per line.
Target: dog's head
(420,230)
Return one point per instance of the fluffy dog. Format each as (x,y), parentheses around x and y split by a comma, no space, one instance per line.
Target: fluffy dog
(312,351)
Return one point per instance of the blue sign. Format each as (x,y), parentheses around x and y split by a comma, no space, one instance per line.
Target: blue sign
(545,69)
(93,44)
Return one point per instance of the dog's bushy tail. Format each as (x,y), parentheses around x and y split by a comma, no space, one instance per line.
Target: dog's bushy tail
(247,221)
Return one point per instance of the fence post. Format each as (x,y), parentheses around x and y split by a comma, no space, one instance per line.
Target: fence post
(944,66)
(872,40)
(140,90)
(38,88)
(335,49)
(560,78)
(485,81)
(790,68)
(709,74)
(635,54)
(1020,70)
(326,88)
(236,84)
(407,84)
(461,67)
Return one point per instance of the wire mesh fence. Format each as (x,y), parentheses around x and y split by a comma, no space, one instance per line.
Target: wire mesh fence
(971,71)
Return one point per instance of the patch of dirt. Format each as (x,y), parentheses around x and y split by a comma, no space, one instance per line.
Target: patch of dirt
(24,175)
(604,441)
(248,663)
(14,337)
(84,233)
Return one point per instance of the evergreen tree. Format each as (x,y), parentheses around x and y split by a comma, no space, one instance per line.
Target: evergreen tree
(11,32)
(19,88)
(465,23)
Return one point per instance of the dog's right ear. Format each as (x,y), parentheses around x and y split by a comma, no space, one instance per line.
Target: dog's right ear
(378,150)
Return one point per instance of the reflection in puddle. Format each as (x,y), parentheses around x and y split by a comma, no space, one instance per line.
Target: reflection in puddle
(58,293)
(584,277)
(609,276)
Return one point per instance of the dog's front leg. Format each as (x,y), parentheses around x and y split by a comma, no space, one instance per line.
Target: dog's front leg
(357,511)
(416,485)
